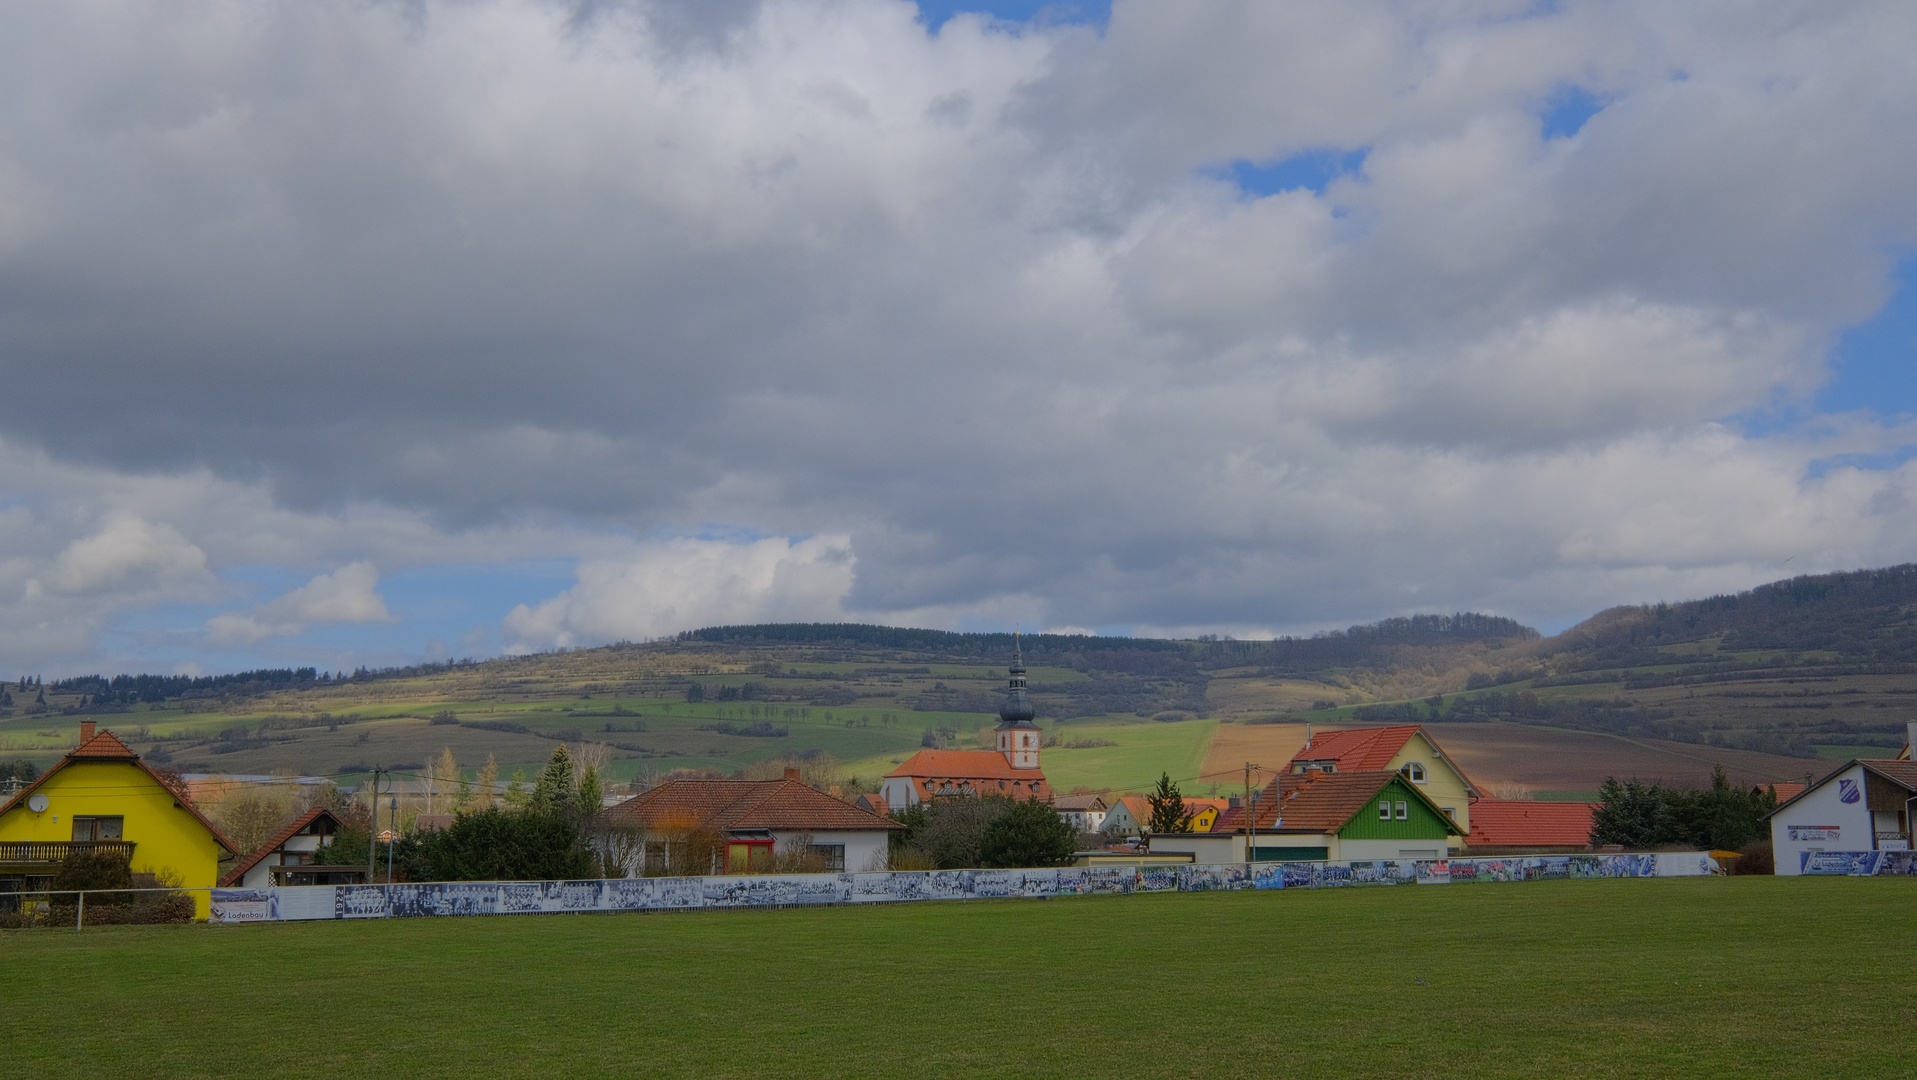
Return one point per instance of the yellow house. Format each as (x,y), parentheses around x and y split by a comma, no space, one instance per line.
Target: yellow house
(102,797)
(1407,750)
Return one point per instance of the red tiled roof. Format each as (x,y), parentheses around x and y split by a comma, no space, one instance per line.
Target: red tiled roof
(728,805)
(1786,790)
(1080,803)
(1501,823)
(1137,805)
(1314,802)
(962,764)
(971,772)
(1359,749)
(105,747)
(874,802)
(292,829)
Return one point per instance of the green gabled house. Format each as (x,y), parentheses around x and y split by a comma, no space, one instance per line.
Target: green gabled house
(1333,816)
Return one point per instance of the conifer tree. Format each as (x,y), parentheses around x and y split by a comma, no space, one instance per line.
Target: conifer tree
(1168,808)
(554,792)
(590,792)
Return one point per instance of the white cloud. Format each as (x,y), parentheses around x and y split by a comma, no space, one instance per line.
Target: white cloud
(461,283)
(663,588)
(127,554)
(346,595)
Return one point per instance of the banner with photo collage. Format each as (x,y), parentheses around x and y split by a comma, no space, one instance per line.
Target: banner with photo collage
(441,898)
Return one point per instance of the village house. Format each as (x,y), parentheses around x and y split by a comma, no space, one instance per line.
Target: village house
(102,798)
(742,826)
(1082,812)
(287,858)
(1406,749)
(1011,770)
(1126,815)
(1372,814)
(1863,805)
(1512,827)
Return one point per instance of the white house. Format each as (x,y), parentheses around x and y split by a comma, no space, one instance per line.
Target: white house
(1086,813)
(1864,805)
(749,823)
(294,846)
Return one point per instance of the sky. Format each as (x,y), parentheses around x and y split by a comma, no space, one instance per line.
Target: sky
(365,333)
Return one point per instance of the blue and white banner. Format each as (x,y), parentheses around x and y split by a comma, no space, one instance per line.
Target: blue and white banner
(436,898)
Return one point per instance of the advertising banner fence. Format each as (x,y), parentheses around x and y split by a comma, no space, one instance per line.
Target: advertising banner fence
(436,898)
(1858,863)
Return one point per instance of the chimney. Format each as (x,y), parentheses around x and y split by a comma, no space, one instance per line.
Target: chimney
(86,731)
(792,774)
(1910,739)
(1307,734)
(1231,801)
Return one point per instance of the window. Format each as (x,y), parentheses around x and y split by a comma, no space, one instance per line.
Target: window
(1404,810)
(1413,771)
(97,828)
(833,854)
(1384,810)
(1450,812)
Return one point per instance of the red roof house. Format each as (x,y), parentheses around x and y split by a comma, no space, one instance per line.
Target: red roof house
(293,846)
(1362,815)
(1500,827)
(744,826)
(1404,748)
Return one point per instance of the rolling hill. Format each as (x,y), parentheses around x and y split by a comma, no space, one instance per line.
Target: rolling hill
(1764,682)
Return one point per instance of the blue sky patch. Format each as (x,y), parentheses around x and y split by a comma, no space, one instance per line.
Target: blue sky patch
(1875,363)
(1312,170)
(1568,110)
(1097,13)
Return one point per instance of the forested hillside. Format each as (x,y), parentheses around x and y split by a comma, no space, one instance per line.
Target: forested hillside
(1823,665)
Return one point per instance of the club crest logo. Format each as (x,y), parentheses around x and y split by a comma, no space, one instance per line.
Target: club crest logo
(1847,791)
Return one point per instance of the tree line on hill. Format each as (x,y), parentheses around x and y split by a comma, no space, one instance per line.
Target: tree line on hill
(1867,614)
(1361,645)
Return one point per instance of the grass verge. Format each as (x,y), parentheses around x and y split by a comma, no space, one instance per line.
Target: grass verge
(1732,977)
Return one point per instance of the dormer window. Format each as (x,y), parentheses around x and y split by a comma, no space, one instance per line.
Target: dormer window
(1413,771)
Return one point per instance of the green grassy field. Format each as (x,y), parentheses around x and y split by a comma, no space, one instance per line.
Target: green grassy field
(1700,977)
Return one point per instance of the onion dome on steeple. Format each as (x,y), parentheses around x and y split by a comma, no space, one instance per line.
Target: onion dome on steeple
(1017,710)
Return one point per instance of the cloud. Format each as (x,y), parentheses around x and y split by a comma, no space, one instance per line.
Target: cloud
(971,326)
(344,596)
(127,554)
(663,588)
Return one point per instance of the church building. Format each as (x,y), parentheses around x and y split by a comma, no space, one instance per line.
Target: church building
(1010,770)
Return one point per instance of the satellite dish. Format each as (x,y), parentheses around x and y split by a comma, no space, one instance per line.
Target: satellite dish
(37,803)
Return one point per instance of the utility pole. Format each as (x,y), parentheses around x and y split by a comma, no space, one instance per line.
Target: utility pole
(372,829)
(394,828)
(1251,820)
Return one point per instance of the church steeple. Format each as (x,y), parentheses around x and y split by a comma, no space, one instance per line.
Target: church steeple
(1017,736)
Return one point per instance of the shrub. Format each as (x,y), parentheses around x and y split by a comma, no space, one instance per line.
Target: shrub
(1755,857)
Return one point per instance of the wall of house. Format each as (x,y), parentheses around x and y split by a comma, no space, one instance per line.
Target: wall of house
(1420,822)
(863,850)
(899,791)
(1442,784)
(167,839)
(1822,806)
(1203,847)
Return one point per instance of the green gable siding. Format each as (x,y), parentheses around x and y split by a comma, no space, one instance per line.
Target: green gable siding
(1423,823)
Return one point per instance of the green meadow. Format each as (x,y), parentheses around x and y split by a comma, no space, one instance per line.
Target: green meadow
(1760,977)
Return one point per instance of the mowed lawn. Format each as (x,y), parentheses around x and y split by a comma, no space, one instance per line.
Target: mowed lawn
(1703,977)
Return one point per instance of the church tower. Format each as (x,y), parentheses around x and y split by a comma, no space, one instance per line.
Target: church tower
(1017,735)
